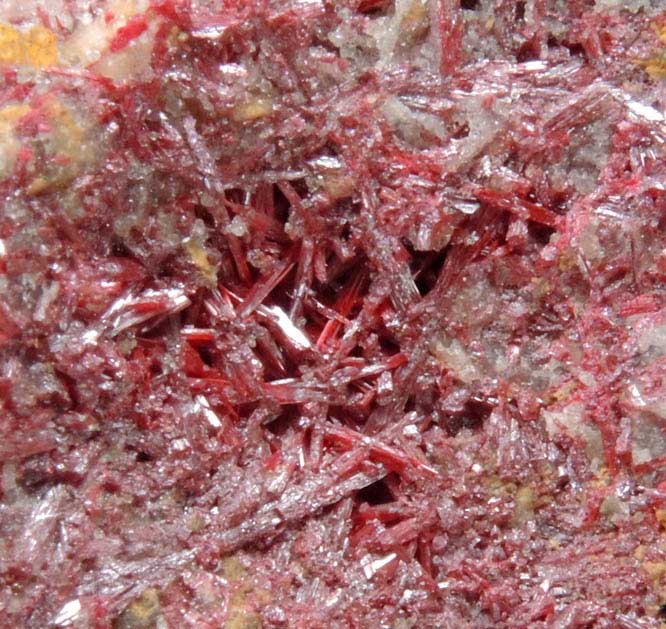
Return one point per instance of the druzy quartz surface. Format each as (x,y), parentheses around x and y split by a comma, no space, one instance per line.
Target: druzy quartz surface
(332,313)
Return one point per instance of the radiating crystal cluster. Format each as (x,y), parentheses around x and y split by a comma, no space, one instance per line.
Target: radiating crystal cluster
(332,313)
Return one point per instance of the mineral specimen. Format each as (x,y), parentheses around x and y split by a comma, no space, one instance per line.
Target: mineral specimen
(332,313)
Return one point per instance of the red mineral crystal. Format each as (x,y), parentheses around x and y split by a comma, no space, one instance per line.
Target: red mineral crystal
(322,313)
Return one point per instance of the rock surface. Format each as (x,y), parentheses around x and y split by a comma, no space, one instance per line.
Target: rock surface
(332,314)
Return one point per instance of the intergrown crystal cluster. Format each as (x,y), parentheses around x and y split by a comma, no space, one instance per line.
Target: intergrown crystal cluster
(332,313)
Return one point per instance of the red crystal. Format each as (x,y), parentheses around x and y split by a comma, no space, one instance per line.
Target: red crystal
(332,314)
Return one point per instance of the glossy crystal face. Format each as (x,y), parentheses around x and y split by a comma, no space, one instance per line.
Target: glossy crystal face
(327,313)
